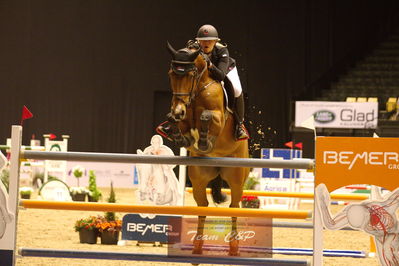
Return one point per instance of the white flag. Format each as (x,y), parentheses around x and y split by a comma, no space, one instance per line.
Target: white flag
(309,123)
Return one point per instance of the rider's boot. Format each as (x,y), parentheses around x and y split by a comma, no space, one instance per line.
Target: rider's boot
(240,132)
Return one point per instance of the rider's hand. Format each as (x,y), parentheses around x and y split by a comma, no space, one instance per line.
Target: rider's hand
(208,60)
(193,45)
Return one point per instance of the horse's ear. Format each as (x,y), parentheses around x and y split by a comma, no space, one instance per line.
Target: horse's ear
(171,50)
(194,55)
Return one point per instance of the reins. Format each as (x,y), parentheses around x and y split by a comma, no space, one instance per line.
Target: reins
(194,90)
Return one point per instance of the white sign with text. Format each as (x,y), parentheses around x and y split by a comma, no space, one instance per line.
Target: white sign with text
(337,114)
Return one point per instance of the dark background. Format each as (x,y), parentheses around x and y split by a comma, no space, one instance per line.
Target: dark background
(97,70)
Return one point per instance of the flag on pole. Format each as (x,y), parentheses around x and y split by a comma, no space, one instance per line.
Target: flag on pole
(52,136)
(299,145)
(289,144)
(26,114)
(309,123)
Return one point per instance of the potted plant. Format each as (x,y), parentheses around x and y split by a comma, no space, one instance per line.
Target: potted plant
(109,230)
(250,183)
(109,226)
(87,229)
(78,193)
(94,194)
(25,192)
(250,202)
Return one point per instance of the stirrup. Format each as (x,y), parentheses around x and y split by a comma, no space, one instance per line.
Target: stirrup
(241,132)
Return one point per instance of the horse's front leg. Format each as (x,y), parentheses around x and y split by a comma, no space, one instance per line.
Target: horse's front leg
(206,141)
(177,136)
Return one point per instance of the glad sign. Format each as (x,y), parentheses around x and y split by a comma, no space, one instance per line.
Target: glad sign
(342,161)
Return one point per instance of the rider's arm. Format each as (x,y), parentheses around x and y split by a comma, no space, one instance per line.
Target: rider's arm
(219,71)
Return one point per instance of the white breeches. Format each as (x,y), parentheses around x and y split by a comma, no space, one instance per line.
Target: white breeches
(235,80)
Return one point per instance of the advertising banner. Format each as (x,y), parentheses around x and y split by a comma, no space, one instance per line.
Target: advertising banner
(337,114)
(161,228)
(280,154)
(254,235)
(342,161)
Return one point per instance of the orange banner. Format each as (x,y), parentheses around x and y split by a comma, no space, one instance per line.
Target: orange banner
(342,161)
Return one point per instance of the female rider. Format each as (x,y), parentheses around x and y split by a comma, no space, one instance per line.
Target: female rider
(222,68)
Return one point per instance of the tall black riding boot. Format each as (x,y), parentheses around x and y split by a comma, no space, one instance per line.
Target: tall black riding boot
(240,132)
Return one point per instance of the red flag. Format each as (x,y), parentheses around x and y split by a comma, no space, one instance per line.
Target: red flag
(26,114)
(52,136)
(299,145)
(289,144)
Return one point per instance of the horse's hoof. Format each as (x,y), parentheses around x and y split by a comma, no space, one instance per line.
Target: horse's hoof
(197,251)
(234,249)
(197,246)
(203,146)
(235,253)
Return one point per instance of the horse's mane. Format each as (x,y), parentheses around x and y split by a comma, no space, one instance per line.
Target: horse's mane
(200,62)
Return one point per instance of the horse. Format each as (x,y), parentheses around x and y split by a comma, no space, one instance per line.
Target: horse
(201,122)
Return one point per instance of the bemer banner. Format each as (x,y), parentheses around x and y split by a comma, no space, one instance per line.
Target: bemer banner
(342,161)
(337,114)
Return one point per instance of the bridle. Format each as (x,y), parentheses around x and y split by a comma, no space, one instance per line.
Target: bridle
(183,68)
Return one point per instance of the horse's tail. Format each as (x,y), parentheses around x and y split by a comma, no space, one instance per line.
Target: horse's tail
(216,190)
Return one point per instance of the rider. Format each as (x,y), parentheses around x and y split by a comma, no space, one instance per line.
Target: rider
(222,68)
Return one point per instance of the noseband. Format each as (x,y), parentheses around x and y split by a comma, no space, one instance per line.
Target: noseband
(182,68)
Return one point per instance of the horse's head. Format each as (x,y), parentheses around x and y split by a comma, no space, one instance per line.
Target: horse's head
(185,73)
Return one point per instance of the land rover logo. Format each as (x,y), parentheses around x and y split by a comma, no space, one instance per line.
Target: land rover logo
(324,116)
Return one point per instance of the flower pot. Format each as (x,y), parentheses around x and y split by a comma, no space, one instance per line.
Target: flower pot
(254,204)
(25,196)
(88,236)
(91,199)
(79,197)
(109,238)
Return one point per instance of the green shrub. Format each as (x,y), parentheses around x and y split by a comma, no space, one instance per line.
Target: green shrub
(93,190)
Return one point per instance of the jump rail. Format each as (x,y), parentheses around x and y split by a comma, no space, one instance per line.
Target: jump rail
(176,210)
(304,195)
(86,254)
(182,160)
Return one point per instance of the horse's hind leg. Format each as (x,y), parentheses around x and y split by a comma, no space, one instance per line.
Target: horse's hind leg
(235,178)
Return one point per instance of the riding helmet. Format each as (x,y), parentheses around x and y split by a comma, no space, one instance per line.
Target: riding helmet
(207,32)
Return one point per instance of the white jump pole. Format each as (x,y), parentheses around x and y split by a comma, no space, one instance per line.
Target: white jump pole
(182,177)
(9,203)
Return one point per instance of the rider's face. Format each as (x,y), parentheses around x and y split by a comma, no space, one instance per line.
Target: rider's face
(207,46)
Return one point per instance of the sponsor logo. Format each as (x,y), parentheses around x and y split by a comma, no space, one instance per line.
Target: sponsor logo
(240,235)
(352,115)
(388,159)
(324,116)
(153,228)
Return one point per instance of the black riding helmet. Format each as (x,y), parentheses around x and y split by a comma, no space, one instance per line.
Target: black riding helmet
(207,32)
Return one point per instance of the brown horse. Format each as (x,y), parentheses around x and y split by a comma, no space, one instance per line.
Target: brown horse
(201,122)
